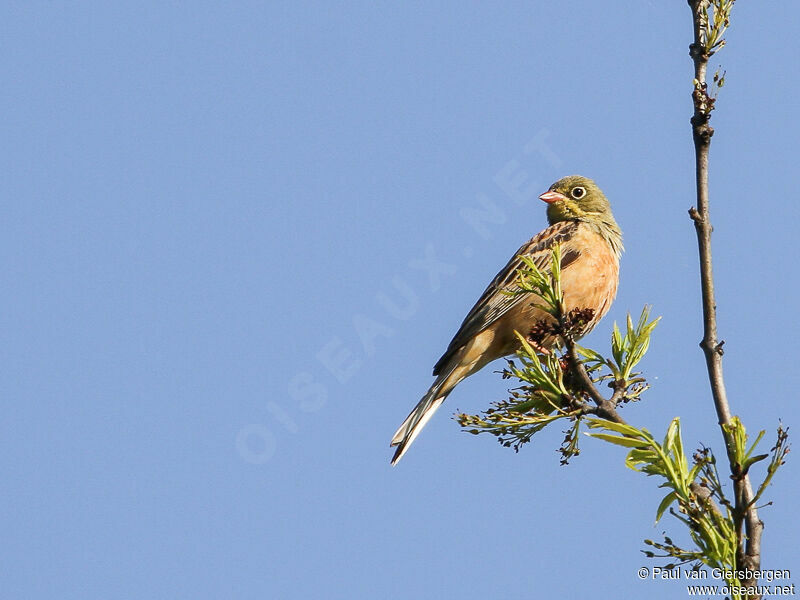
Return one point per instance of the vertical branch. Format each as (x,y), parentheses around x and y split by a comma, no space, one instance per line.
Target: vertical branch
(701,49)
(702,132)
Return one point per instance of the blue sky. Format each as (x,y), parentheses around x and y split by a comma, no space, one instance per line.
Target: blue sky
(219,221)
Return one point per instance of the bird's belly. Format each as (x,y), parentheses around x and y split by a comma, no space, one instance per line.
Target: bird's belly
(591,283)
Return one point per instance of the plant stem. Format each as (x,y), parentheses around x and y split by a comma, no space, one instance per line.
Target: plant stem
(606,408)
(749,554)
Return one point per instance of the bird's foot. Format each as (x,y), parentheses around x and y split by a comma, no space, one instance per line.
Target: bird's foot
(538,347)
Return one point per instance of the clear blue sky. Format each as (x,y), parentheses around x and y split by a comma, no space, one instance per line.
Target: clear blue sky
(206,202)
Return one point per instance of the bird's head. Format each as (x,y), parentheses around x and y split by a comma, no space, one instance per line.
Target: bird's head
(576,198)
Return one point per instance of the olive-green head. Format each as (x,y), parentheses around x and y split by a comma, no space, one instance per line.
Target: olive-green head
(576,198)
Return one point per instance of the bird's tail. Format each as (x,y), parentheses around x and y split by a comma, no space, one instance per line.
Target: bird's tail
(417,419)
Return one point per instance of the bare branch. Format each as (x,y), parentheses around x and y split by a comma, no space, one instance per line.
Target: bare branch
(706,41)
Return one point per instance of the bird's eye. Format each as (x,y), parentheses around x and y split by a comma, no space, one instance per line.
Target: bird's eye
(578,192)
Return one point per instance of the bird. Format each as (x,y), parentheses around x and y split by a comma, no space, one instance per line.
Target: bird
(581,221)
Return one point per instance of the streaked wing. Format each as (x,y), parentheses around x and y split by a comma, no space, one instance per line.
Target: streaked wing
(493,304)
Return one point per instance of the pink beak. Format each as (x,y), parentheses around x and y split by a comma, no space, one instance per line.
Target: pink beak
(551,196)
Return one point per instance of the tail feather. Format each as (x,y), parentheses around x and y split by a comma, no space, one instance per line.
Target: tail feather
(416,420)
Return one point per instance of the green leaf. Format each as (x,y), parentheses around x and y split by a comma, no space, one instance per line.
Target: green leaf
(618,427)
(640,456)
(619,441)
(751,461)
(664,504)
(669,438)
(755,443)
(616,344)
(693,473)
(590,354)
